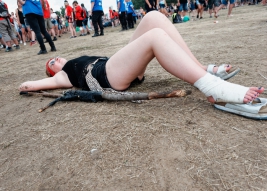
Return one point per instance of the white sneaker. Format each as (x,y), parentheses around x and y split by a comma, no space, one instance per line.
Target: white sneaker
(14,45)
(20,42)
(24,43)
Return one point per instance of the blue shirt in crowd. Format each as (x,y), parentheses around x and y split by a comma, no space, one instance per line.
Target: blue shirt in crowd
(97,5)
(32,6)
(122,5)
(129,7)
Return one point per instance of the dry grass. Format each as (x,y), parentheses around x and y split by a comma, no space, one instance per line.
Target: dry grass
(167,144)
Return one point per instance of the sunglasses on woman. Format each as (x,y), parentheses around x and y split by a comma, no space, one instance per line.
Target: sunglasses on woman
(52,62)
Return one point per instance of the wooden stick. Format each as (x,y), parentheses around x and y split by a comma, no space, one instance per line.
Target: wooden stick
(175,93)
(44,94)
(129,96)
(122,97)
(114,96)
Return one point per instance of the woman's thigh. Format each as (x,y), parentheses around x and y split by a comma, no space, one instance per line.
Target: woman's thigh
(130,62)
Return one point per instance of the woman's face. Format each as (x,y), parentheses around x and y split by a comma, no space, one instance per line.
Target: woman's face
(56,64)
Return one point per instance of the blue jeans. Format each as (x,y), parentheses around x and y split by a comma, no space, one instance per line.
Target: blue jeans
(225,2)
(183,6)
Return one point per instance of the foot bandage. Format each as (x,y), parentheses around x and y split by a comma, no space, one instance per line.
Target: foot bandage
(220,90)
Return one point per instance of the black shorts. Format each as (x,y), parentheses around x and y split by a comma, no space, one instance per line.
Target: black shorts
(99,73)
(79,23)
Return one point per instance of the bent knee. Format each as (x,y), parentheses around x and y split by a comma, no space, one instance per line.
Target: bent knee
(157,31)
(154,16)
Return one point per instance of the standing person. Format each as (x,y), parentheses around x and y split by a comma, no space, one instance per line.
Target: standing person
(224,3)
(70,19)
(24,26)
(97,13)
(79,17)
(34,14)
(122,14)
(54,21)
(21,23)
(162,5)
(150,5)
(183,8)
(15,23)
(212,5)
(6,29)
(130,12)
(200,8)
(85,20)
(48,23)
(191,3)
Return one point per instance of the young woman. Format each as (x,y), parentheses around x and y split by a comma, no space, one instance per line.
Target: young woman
(54,20)
(120,70)
(162,9)
(70,19)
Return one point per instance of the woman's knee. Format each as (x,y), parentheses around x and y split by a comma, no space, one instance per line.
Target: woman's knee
(153,16)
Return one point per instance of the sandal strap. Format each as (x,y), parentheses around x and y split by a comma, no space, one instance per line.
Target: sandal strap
(210,69)
(221,71)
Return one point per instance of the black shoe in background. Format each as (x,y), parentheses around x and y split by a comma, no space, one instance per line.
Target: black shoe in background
(42,52)
(95,35)
(53,49)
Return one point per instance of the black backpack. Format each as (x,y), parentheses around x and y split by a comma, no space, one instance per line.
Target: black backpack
(86,14)
(3,10)
(176,18)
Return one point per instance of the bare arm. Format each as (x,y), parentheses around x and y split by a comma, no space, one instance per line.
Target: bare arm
(92,6)
(119,6)
(17,15)
(60,80)
(147,2)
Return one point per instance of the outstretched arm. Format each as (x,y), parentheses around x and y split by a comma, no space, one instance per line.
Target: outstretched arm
(60,80)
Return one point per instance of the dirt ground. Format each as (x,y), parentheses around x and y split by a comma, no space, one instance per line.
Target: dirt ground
(165,144)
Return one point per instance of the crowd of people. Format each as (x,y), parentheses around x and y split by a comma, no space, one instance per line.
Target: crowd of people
(30,26)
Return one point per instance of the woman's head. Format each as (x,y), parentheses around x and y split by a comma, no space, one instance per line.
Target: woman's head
(54,65)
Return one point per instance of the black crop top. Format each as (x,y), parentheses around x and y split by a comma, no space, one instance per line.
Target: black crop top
(76,70)
(21,18)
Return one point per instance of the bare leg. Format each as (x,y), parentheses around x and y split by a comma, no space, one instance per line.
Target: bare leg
(155,19)
(72,30)
(217,10)
(230,9)
(33,35)
(23,35)
(123,67)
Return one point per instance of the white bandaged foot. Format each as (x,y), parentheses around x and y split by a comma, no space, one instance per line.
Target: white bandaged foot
(220,90)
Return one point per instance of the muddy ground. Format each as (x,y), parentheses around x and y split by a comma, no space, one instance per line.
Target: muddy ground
(165,144)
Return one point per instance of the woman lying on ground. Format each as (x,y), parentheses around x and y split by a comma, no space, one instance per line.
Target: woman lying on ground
(154,32)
